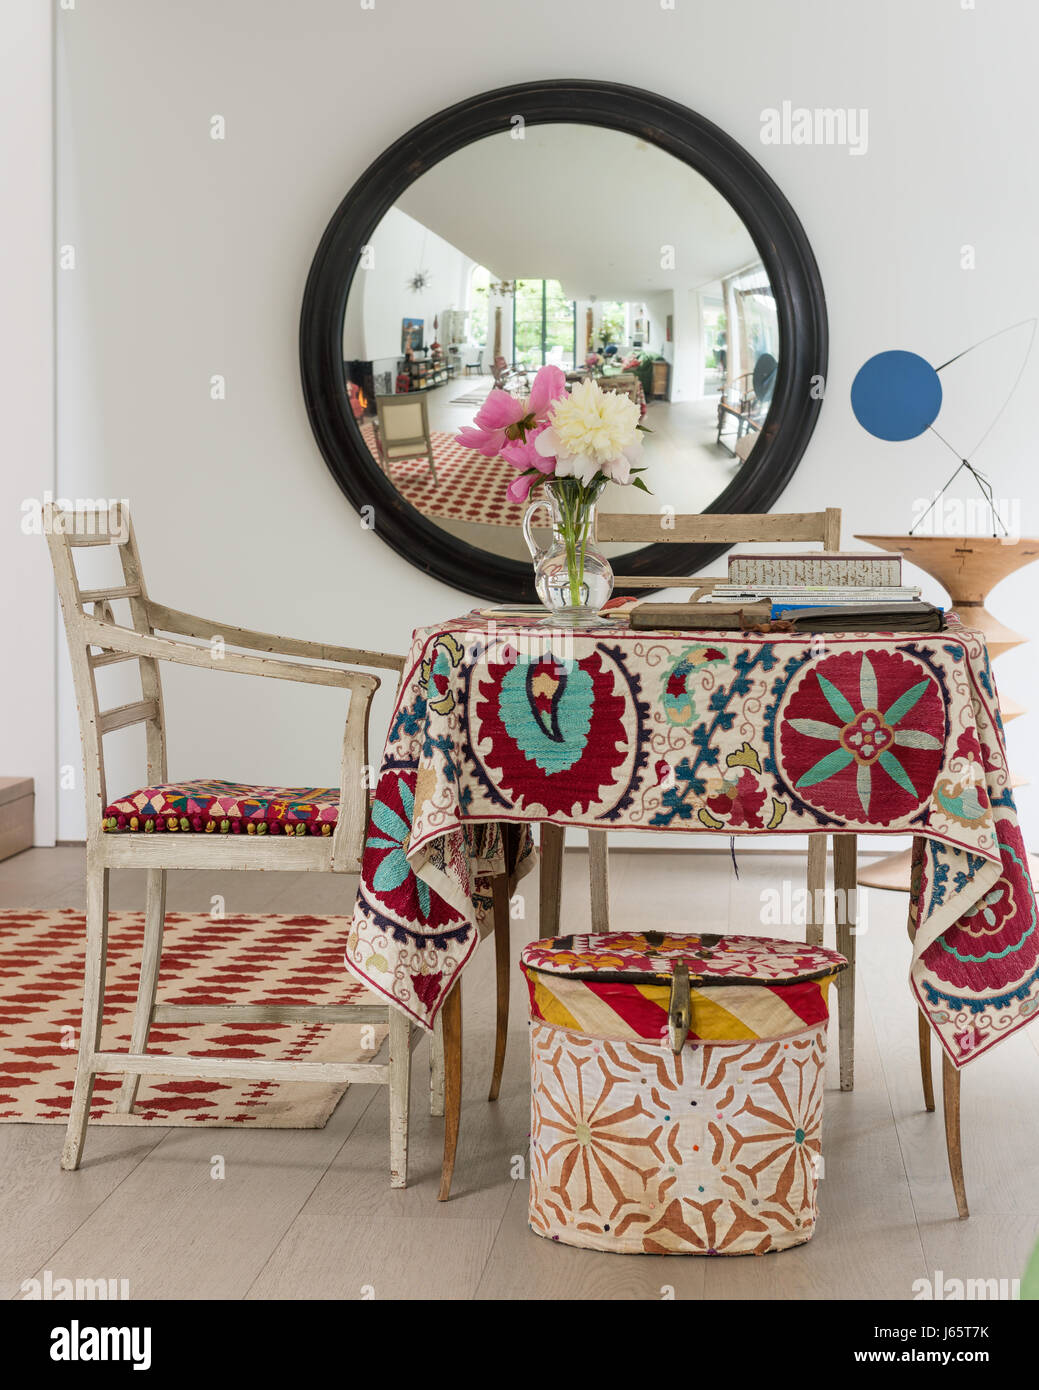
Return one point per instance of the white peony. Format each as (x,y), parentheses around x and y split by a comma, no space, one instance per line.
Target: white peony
(592,431)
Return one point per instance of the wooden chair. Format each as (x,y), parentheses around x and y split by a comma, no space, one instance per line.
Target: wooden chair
(626,385)
(402,429)
(729,528)
(95,640)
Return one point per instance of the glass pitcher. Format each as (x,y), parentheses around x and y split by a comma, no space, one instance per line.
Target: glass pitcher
(572,577)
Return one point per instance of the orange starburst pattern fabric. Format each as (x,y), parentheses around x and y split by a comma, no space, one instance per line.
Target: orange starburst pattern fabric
(714,1151)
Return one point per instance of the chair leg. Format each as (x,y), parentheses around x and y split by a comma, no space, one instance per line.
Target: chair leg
(599,874)
(93,1004)
(151,955)
(452,1014)
(400,1095)
(844,883)
(925,1059)
(816,890)
(502,953)
(436,1067)
(951,1105)
(552,840)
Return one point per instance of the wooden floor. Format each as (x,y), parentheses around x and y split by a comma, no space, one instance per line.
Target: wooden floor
(310,1214)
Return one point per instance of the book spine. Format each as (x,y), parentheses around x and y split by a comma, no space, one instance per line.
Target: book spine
(881,572)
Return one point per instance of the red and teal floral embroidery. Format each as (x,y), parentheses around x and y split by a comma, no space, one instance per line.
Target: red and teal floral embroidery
(679,683)
(998,932)
(864,734)
(553,731)
(684,800)
(438,669)
(546,707)
(393,872)
(739,801)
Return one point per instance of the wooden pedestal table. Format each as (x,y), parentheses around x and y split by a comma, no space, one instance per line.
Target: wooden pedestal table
(968,568)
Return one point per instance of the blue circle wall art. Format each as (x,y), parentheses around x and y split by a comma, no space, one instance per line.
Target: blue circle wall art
(896,395)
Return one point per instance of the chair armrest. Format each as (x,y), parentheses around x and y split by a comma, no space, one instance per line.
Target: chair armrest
(352,821)
(122,639)
(188,625)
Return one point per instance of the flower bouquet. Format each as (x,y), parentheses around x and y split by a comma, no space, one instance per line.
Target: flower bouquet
(573,443)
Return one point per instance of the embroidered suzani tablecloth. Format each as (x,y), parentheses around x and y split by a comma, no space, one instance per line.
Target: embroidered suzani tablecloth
(743,734)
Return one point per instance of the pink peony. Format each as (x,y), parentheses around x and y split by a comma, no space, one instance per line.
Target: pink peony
(504,419)
(506,427)
(549,385)
(488,432)
(519,489)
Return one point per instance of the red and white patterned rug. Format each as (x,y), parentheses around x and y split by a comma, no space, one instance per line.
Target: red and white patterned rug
(233,960)
(469,487)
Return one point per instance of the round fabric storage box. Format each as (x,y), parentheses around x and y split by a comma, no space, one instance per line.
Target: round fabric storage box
(677,1091)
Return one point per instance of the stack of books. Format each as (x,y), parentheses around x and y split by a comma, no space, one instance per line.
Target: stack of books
(828,592)
(818,592)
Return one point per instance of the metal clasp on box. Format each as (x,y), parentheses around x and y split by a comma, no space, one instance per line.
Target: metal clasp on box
(679,1009)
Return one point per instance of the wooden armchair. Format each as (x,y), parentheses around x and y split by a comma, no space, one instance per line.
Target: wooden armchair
(402,429)
(96,640)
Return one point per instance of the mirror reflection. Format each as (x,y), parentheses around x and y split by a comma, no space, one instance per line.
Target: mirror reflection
(575,245)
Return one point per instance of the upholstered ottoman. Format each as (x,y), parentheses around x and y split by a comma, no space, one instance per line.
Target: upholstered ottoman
(677,1091)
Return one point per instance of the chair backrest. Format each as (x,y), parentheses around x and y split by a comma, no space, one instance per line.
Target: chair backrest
(626,386)
(719,528)
(403,419)
(66,533)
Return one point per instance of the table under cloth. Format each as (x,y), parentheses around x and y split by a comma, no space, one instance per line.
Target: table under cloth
(736,733)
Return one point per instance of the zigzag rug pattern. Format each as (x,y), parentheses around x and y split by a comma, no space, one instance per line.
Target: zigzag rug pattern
(245,959)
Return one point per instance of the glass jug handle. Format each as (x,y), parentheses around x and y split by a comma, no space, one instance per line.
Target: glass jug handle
(536,551)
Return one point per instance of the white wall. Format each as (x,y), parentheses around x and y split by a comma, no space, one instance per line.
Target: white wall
(27,706)
(194,255)
(402,247)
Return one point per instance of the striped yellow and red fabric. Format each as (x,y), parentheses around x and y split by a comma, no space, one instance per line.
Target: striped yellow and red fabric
(615,985)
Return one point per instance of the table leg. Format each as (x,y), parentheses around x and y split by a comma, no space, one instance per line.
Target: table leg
(599,871)
(552,841)
(951,1105)
(451,1012)
(502,952)
(501,973)
(844,876)
(924,1029)
(436,1067)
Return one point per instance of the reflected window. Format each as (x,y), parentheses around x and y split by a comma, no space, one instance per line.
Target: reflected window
(544,325)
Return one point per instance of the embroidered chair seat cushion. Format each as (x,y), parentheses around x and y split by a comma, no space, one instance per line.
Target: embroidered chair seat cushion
(223,808)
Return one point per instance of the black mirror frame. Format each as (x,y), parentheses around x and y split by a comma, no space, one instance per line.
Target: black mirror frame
(771,221)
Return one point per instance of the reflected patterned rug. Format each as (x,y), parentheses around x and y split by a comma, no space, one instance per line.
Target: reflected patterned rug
(234,960)
(469,487)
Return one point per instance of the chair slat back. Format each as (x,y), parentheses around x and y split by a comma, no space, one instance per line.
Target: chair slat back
(66,532)
(711,528)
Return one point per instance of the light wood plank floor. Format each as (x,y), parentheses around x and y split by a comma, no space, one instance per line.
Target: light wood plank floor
(309,1214)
